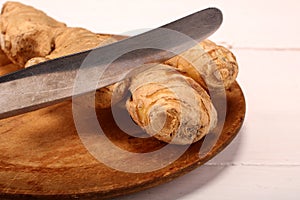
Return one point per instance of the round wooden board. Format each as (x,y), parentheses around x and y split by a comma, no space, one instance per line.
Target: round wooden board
(42,156)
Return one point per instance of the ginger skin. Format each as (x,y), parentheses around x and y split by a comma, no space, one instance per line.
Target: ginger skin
(170,106)
(214,67)
(26,32)
(28,36)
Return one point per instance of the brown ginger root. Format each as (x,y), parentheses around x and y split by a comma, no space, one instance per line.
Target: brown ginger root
(214,67)
(26,32)
(74,40)
(170,106)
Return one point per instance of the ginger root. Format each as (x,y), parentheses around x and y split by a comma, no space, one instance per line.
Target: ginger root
(212,66)
(170,106)
(169,101)
(26,32)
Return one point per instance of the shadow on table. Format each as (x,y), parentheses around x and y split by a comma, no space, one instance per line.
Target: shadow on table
(195,180)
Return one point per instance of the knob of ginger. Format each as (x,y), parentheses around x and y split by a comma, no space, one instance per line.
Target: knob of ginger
(170,106)
(26,32)
(211,65)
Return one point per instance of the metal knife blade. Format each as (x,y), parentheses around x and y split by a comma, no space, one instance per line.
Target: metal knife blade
(53,81)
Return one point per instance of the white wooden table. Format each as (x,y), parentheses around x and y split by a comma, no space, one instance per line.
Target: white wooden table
(264,160)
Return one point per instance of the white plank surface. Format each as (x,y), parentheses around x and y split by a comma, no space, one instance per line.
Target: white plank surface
(269,23)
(217,182)
(264,160)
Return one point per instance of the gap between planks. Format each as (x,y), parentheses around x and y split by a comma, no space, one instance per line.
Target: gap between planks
(232,46)
(252,164)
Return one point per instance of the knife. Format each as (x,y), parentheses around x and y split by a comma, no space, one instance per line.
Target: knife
(53,81)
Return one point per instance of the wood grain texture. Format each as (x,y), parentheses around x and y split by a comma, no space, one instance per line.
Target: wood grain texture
(41,155)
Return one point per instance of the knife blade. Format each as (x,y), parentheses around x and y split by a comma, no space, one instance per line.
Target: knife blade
(53,81)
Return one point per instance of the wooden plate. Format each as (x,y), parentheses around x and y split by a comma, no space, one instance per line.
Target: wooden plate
(42,156)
